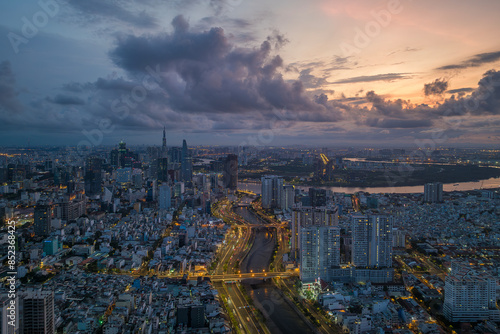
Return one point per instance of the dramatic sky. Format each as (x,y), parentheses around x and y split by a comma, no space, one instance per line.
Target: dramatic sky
(238,72)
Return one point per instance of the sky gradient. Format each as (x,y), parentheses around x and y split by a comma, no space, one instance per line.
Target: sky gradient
(238,72)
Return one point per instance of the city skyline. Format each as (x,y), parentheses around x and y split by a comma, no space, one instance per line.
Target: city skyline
(250,73)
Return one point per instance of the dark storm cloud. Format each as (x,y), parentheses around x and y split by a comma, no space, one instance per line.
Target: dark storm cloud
(484,100)
(66,100)
(76,87)
(205,72)
(460,90)
(474,61)
(438,87)
(113,10)
(398,108)
(398,123)
(378,77)
(8,91)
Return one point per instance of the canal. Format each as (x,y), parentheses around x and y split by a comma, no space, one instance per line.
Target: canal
(280,316)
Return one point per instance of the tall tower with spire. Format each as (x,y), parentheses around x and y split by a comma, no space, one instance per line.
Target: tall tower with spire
(164,144)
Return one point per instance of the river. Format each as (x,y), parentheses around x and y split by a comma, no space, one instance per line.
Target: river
(462,186)
(280,317)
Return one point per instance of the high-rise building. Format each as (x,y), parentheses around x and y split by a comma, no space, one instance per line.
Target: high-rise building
(317,196)
(372,241)
(309,216)
(122,156)
(70,206)
(197,316)
(178,189)
(42,220)
(398,238)
(165,197)
(230,175)
(319,252)
(93,175)
(433,192)
(38,312)
(272,189)
(469,295)
(164,150)
(162,170)
(288,197)
(186,163)
(175,155)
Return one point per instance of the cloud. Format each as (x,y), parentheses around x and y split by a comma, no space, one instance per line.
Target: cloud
(112,10)
(204,72)
(8,92)
(460,90)
(438,87)
(378,77)
(398,123)
(484,100)
(474,61)
(66,100)
(311,81)
(407,49)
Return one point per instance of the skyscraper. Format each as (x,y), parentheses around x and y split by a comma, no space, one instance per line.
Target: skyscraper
(372,241)
(38,312)
(433,192)
(42,219)
(122,156)
(308,216)
(164,150)
(319,252)
(272,189)
(186,163)
(165,197)
(162,170)
(288,197)
(231,172)
(93,176)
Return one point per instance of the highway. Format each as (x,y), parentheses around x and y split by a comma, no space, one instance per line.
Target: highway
(236,248)
(242,310)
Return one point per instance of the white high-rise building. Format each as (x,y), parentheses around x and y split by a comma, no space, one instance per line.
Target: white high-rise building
(165,197)
(372,241)
(319,252)
(272,190)
(309,216)
(469,295)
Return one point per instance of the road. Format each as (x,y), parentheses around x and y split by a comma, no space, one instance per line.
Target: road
(242,310)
